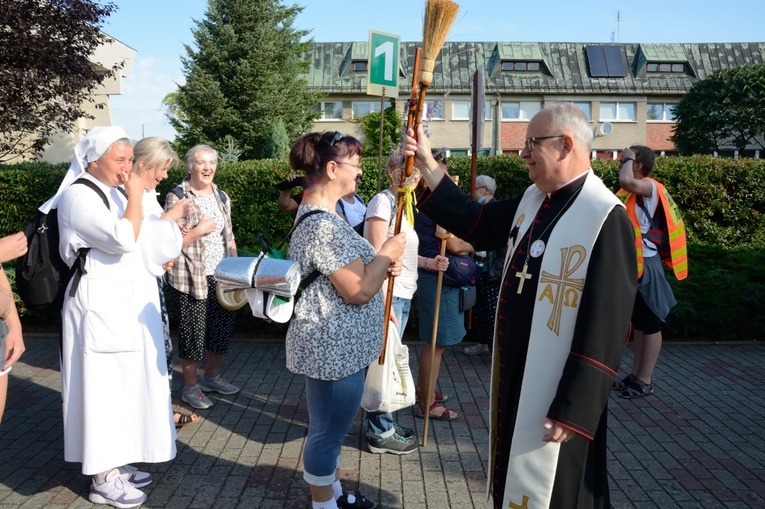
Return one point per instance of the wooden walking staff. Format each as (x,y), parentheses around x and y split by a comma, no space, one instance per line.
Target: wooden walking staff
(439,16)
(444,236)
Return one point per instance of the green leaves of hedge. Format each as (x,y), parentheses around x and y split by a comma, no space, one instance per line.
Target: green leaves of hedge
(722,201)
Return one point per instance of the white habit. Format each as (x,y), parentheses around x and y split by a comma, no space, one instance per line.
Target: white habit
(113,370)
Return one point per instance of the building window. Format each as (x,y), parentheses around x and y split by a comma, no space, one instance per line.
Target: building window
(487,113)
(460,110)
(330,110)
(359,66)
(618,111)
(363,108)
(434,110)
(586,108)
(667,67)
(521,66)
(522,110)
(660,112)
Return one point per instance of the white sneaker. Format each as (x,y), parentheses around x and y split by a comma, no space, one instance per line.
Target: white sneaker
(135,477)
(195,397)
(477,349)
(116,492)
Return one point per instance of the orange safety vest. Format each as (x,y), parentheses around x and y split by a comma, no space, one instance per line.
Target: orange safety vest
(678,259)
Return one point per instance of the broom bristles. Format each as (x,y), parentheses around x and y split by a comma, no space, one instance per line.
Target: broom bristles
(439,16)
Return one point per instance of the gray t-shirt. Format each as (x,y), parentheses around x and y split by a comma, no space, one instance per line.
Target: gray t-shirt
(328,337)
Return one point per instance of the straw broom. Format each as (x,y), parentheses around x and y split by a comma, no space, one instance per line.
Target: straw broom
(439,16)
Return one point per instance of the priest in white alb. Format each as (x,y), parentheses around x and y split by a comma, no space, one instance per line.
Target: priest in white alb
(563,315)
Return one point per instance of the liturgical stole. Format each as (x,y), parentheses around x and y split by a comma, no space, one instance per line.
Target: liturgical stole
(533,462)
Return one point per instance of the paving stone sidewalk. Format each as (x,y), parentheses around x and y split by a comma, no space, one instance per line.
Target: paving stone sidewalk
(696,443)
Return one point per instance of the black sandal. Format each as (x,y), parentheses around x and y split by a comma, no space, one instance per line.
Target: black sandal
(621,383)
(637,389)
(184,419)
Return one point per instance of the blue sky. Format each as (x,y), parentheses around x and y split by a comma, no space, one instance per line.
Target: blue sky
(158,30)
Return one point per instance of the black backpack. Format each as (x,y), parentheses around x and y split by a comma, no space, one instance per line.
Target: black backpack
(41,274)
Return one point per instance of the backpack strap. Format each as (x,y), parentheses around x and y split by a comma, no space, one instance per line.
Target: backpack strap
(297,223)
(180,193)
(78,267)
(392,207)
(641,203)
(89,183)
(310,278)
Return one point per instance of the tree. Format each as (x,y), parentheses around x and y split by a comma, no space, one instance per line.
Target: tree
(392,123)
(46,74)
(725,110)
(244,76)
(279,143)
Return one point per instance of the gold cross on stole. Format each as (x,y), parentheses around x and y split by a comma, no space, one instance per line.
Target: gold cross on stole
(524,504)
(523,276)
(566,290)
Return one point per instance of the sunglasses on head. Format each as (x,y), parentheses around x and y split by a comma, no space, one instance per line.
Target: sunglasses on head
(336,137)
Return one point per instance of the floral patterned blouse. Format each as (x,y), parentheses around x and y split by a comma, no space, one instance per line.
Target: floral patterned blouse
(328,337)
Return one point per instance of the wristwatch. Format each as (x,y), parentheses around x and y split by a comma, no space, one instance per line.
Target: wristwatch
(625,159)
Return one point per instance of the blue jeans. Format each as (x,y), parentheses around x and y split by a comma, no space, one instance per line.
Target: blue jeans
(332,407)
(380,424)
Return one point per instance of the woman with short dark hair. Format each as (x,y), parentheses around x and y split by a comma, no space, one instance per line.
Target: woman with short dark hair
(338,324)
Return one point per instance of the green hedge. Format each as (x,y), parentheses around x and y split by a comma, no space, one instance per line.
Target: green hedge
(722,200)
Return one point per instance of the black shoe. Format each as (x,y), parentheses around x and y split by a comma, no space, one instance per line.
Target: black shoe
(359,501)
(394,444)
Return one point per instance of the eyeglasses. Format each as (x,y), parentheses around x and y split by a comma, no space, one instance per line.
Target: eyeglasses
(336,137)
(530,142)
(357,166)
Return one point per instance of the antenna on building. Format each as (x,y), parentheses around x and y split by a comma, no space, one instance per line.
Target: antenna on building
(618,20)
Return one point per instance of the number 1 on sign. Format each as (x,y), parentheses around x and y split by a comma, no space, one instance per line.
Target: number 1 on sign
(386,49)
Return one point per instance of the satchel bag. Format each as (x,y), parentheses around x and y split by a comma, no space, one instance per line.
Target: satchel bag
(468,296)
(390,386)
(462,271)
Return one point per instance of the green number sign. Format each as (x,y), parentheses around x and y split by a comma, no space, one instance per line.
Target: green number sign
(383,64)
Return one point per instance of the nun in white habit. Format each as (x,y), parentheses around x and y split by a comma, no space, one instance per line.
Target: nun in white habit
(116,404)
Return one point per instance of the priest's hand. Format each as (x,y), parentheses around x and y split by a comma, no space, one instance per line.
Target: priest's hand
(419,147)
(557,433)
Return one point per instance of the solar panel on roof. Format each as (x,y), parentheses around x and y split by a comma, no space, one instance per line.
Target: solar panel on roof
(605,61)
(615,62)
(596,57)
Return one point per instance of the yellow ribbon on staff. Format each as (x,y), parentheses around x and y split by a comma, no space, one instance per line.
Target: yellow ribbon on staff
(410,200)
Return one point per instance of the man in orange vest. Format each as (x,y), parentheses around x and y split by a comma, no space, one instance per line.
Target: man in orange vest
(643,196)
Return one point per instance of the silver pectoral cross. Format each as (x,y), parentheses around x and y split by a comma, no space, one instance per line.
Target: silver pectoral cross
(523,276)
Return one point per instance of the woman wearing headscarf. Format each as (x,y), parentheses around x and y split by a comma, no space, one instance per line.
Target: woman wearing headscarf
(116,405)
